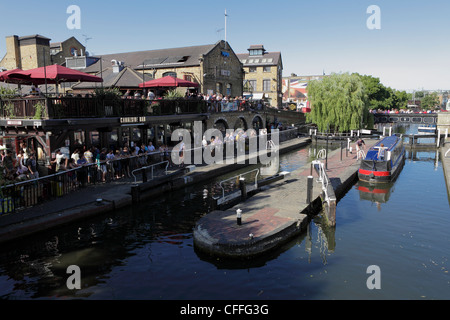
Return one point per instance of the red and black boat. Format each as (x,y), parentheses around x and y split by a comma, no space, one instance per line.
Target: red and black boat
(386,165)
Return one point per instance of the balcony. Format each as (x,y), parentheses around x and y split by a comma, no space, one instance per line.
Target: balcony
(77,107)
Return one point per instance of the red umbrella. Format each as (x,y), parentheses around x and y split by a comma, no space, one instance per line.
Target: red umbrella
(168,81)
(17,76)
(54,74)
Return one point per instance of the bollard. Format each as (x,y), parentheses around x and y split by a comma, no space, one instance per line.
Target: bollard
(135,193)
(309,190)
(239,216)
(243,188)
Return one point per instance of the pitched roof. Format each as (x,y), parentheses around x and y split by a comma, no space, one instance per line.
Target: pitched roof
(154,59)
(268,59)
(127,78)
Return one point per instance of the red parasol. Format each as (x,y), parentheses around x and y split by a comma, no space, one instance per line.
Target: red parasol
(53,74)
(168,81)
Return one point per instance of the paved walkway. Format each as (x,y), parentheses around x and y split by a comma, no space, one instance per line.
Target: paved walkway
(272,216)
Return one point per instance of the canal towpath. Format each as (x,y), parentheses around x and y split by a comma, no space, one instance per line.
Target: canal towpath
(83,203)
(275,215)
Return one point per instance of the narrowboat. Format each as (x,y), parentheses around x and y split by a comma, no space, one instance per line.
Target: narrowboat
(378,168)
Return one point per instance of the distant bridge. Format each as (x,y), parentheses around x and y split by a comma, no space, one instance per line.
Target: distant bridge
(425,118)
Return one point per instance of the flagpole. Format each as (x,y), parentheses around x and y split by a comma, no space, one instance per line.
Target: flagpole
(225,28)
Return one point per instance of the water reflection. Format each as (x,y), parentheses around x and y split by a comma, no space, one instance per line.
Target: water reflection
(147,252)
(376,193)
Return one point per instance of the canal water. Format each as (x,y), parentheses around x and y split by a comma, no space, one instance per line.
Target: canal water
(147,252)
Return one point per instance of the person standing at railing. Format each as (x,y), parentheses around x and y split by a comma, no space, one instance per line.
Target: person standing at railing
(125,155)
(32,166)
(61,161)
(89,156)
(82,174)
(102,160)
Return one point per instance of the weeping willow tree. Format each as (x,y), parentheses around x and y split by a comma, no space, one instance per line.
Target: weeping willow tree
(338,102)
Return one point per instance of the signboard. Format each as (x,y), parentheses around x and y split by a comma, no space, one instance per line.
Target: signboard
(14,122)
(229,106)
(132,119)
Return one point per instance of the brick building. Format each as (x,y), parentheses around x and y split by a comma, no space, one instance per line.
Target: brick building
(215,67)
(263,74)
(35,51)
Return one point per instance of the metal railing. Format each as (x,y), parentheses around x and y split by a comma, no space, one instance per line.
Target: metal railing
(239,176)
(323,178)
(144,169)
(28,193)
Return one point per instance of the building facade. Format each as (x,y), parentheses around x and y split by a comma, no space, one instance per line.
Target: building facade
(35,51)
(295,90)
(215,67)
(263,74)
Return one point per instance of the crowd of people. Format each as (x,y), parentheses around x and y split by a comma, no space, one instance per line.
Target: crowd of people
(21,166)
(119,163)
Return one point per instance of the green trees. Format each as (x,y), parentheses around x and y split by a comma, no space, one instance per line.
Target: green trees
(339,102)
(382,97)
(429,101)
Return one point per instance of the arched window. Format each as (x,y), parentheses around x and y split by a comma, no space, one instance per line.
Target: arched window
(169,73)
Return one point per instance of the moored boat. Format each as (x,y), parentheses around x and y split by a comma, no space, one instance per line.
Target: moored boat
(383,161)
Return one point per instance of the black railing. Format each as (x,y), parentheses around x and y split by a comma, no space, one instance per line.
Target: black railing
(21,195)
(25,194)
(92,107)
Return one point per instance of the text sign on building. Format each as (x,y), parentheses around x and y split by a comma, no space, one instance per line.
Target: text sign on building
(132,119)
(14,122)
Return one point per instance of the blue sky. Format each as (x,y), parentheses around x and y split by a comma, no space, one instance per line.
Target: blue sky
(409,52)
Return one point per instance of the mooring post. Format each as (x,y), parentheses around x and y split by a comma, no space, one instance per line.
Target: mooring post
(243,188)
(438,138)
(309,190)
(135,193)
(144,176)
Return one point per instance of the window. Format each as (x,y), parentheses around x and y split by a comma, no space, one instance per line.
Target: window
(258,52)
(252,69)
(188,77)
(252,85)
(266,69)
(266,85)
(170,73)
(228,93)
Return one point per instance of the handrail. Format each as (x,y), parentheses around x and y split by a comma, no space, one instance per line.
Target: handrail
(323,178)
(150,166)
(445,155)
(321,154)
(239,176)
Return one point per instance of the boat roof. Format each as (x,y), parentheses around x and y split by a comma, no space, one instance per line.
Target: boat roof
(388,142)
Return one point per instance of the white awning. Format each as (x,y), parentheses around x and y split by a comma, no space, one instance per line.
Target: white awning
(258,96)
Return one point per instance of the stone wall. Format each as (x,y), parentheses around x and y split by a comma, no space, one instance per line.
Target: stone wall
(443,121)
